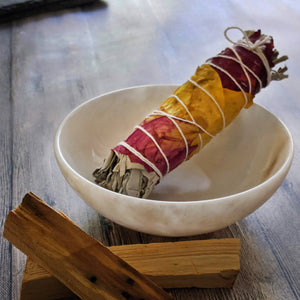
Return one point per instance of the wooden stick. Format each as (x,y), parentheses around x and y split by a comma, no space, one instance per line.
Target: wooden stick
(202,264)
(39,284)
(80,262)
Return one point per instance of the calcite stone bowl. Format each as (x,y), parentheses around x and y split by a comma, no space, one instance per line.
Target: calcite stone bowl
(229,179)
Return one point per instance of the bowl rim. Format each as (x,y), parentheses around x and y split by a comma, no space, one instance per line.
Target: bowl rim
(59,156)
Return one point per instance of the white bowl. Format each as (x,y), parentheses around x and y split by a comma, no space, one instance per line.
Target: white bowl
(226,181)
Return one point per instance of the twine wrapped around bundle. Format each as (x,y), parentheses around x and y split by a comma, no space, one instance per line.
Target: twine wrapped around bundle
(195,113)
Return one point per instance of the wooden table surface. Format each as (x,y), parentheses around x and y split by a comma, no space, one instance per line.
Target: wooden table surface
(52,62)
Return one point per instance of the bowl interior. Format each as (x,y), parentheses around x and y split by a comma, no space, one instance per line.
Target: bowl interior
(248,152)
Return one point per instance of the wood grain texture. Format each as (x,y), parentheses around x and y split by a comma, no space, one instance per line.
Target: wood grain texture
(213,263)
(59,60)
(38,283)
(5,158)
(79,261)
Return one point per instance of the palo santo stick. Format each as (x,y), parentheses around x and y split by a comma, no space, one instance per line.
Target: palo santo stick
(39,284)
(80,262)
(203,264)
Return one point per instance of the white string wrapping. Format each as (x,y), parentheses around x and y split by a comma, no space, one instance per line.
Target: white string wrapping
(162,113)
(212,98)
(245,66)
(231,77)
(142,158)
(255,48)
(184,106)
(192,118)
(156,144)
(183,137)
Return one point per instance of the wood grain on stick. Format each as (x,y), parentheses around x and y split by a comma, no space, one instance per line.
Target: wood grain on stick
(79,261)
(201,263)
